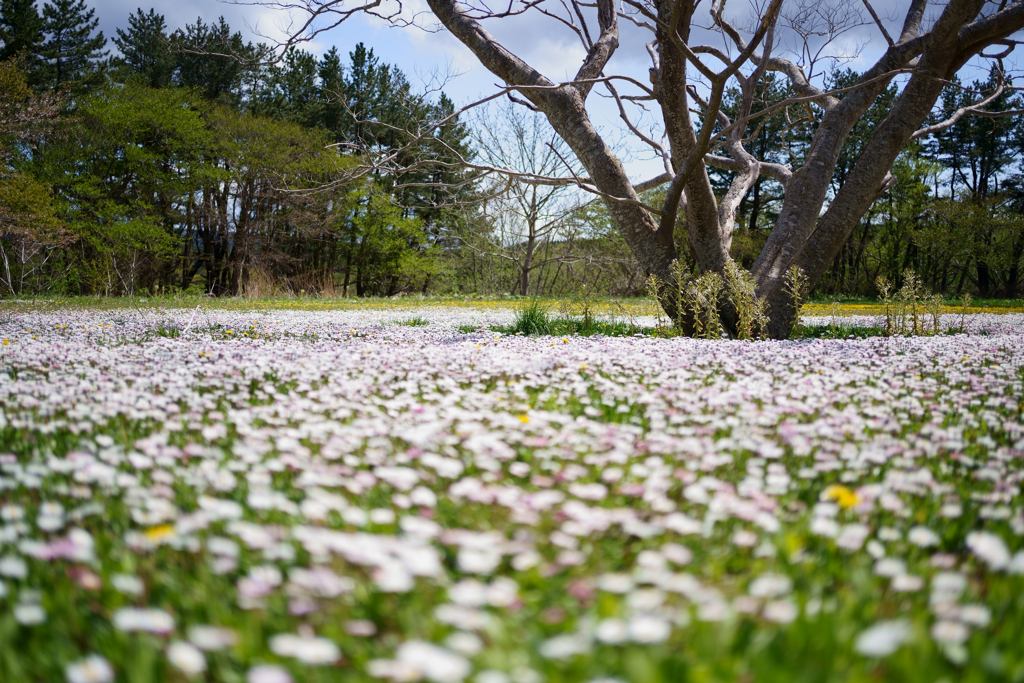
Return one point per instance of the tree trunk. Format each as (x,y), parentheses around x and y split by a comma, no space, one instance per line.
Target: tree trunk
(803,236)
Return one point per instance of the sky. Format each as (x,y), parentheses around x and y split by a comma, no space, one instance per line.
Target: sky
(424,53)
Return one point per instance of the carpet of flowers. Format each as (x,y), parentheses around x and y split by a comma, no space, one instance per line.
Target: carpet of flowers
(350,495)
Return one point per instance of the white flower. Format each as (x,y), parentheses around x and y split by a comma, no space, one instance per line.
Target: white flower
(976,615)
(923,537)
(645,599)
(714,610)
(770,586)
(644,628)
(392,577)
(423,497)
(493,675)
(677,554)
(612,631)
(318,582)
(478,560)
(1017,563)
(524,674)
(13,567)
(564,646)
(990,548)
(907,583)
(743,538)
(212,638)
(468,592)
(186,657)
(949,632)
(145,620)
(92,669)
(875,549)
(466,618)
(526,561)
(502,592)
(309,650)
(852,536)
(224,547)
(781,611)
(29,614)
(266,574)
(360,628)
(268,673)
(129,584)
(434,663)
(465,643)
(825,526)
(883,638)
(951,510)
(399,672)
(890,566)
(382,516)
(615,583)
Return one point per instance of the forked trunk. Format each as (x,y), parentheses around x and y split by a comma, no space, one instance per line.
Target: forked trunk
(803,236)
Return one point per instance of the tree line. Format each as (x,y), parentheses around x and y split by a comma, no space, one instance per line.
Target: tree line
(192,161)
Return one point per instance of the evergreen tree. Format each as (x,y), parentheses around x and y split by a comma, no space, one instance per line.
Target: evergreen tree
(331,91)
(211,59)
(145,50)
(70,51)
(362,94)
(292,93)
(21,29)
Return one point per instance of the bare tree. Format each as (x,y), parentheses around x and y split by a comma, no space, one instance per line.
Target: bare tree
(526,216)
(693,132)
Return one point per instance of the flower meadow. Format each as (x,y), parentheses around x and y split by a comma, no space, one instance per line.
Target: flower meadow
(266,496)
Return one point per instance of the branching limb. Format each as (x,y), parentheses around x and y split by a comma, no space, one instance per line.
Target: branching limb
(976,108)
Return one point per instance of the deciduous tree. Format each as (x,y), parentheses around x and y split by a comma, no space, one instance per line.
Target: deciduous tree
(813,224)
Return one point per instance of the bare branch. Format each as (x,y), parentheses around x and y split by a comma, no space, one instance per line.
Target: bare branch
(976,109)
(881,26)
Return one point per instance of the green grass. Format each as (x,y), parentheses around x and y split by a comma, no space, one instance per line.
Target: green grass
(841,331)
(534,319)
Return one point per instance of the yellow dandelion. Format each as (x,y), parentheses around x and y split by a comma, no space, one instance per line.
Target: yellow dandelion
(841,495)
(159,533)
(230,332)
(524,418)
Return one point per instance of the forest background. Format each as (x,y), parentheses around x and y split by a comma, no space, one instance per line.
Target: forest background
(190,161)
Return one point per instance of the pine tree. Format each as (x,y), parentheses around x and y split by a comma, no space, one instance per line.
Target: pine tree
(212,59)
(70,51)
(291,91)
(145,49)
(20,29)
(331,92)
